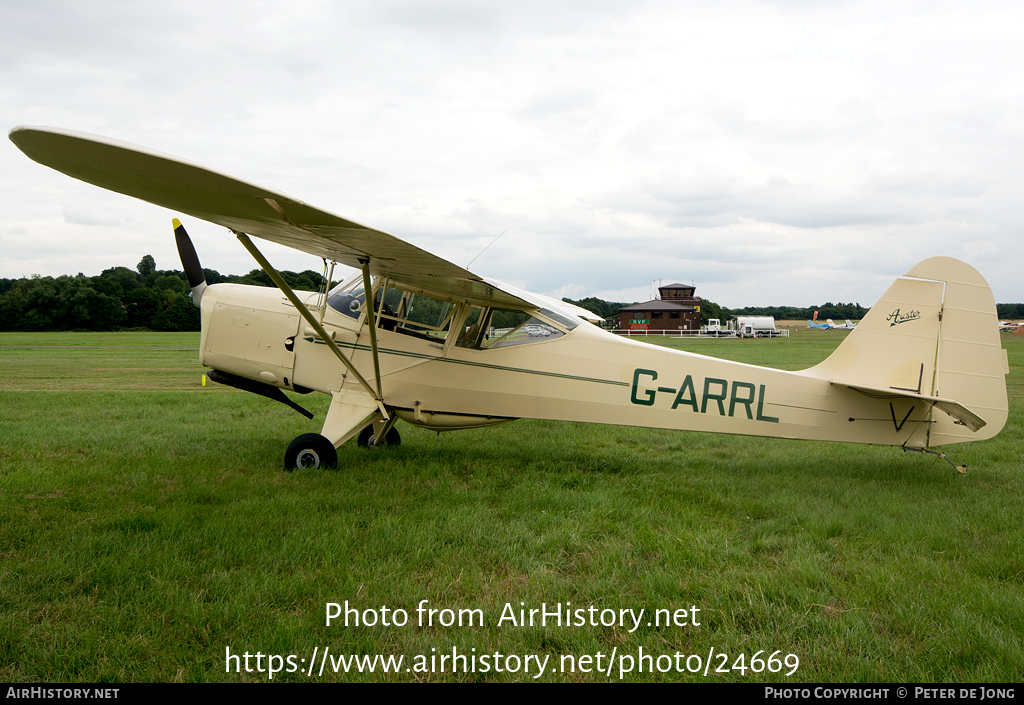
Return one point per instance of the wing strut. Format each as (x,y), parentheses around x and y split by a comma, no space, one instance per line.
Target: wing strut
(371,321)
(311,319)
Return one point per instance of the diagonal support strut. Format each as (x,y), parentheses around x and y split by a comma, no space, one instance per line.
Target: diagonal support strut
(372,323)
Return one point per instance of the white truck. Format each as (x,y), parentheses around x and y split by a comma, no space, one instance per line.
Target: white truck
(743,327)
(756,327)
(714,329)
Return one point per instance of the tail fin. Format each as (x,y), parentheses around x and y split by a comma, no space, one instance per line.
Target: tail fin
(933,335)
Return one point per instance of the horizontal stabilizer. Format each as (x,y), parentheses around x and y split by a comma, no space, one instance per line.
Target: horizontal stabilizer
(958,411)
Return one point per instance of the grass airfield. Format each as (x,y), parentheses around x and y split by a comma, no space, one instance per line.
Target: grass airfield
(147,527)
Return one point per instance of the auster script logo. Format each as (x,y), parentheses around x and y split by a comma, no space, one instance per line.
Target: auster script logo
(897,317)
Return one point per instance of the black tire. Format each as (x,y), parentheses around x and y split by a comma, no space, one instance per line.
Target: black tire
(309,452)
(392,439)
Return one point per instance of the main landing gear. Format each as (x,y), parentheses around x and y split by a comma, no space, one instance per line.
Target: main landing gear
(311,450)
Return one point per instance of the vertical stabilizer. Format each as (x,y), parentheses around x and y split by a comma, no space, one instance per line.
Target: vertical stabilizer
(933,333)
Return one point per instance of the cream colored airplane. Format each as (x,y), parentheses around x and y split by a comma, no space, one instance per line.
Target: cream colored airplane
(445,349)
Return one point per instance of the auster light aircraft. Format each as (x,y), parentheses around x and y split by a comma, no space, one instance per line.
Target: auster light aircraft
(445,349)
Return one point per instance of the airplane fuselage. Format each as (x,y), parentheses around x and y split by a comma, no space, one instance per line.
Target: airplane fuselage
(585,374)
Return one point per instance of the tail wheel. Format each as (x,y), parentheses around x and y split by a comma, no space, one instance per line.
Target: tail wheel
(309,452)
(391,438)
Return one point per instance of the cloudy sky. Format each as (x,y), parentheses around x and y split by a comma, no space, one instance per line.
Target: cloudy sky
(774,152)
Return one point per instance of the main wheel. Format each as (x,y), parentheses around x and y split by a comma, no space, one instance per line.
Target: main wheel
(310,451)
(392,438)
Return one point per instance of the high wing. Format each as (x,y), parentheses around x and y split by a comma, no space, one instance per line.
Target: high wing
(189,188)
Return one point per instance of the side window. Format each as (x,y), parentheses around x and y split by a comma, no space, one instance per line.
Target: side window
(386,314)
(418,315)
(473,329)
(515,328)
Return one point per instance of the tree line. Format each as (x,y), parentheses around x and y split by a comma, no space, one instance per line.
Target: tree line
(119,299)
(840,311)
(1014,312)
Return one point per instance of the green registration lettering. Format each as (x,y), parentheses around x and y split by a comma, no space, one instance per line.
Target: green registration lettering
(720,398)
(650,393)
(760,408)
(692,401)
(746,402)
(742,395)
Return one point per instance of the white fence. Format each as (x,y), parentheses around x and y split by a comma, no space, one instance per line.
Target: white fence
(778,333)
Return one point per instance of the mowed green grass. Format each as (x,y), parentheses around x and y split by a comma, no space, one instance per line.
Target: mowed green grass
(146,526)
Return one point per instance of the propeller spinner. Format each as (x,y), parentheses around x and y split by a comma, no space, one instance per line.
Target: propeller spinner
(189,262)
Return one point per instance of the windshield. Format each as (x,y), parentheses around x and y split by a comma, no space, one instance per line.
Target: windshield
(347,298)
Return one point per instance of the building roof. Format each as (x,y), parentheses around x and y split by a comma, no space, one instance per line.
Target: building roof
(678,286)
(657,305)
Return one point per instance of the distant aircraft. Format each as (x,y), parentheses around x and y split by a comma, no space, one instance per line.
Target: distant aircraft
(846,326)
(414,337)
(819,326)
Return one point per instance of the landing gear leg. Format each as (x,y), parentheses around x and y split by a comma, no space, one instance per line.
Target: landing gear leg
(349,410)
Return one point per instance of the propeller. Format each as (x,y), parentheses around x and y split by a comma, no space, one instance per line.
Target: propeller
(189,262)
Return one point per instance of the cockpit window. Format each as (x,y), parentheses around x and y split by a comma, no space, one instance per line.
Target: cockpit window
(347,298)
(429,318)
(414,314)
(531,330)
(503,327)
(472,328)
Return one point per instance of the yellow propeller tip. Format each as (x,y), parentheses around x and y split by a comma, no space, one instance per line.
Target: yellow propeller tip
(176,223)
